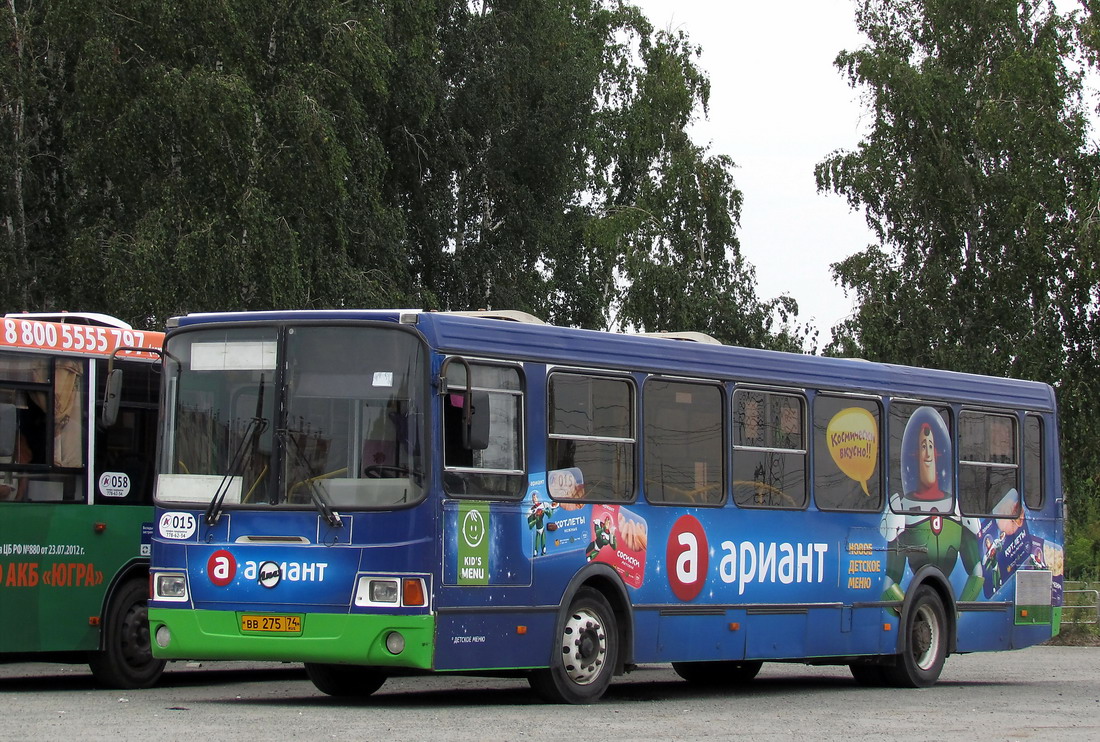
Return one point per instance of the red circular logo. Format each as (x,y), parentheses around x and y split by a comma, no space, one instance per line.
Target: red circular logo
(686,558)
(221,568)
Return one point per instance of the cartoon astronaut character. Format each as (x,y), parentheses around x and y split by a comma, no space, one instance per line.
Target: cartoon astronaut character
(920,528)
(603,535)
(990,562)
(537,516)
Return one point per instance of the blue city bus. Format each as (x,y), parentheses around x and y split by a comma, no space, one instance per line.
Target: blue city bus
(379,493)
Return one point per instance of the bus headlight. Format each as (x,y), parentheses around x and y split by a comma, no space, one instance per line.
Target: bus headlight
(170,586)
(383,591)
(163,636)
(393,592)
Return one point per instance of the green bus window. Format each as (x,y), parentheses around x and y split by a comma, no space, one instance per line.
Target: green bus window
(68,413)
(23,384)
(124,451)
(46,397)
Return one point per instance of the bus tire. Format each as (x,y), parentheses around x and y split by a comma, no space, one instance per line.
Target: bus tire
(924,645)
(126,658)
(345,681)
(717,674)
(585,652)
(869,676)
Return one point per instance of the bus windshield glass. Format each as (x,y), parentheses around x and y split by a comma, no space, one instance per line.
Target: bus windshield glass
(295,416)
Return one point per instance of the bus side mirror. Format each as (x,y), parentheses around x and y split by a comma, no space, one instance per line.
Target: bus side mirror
(113,389)
(475,433)
(111,398)
(8,422)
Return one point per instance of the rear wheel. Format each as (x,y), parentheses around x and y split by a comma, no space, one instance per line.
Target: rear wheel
(126,659)
(345,681)
(584,655)
(924,648)
(718,673)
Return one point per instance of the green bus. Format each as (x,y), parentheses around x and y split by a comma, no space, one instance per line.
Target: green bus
(76,478)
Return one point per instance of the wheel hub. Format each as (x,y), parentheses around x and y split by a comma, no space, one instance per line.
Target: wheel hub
(924,638)
(584,647)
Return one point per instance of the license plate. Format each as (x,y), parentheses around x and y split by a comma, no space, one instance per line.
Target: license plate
(274,624)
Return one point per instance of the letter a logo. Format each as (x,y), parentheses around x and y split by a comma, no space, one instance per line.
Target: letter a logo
(686,558)
(687,564)
(221,568)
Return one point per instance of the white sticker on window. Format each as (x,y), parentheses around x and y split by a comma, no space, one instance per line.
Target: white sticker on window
(114,484)
(383,378)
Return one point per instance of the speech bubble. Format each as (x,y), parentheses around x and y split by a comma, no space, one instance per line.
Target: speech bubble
(852,437)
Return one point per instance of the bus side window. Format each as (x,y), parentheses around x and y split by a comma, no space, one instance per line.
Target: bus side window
(13,450)
(769,450)
(847,453)
(68,412)
(490,465)
(921,456)
(682,442)
(8,432)
(124,451)
(988,473)
(26,392)
(1034,493)
(455,454)
(591,436)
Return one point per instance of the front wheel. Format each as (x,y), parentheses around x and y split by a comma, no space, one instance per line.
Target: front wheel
(345,681)
(924,648)
(584,655)
(126,659)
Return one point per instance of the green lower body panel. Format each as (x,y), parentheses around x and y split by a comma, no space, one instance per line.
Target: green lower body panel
(322,637)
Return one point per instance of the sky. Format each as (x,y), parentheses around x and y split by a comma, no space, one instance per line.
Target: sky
(778,106)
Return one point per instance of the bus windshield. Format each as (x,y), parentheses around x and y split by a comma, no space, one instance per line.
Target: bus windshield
(295,417)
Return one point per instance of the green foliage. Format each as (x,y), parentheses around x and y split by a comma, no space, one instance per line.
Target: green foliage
(978,177)
(161,157)
(198,155)
(1083,531)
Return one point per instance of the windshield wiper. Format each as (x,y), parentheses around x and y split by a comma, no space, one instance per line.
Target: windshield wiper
(324,507)
(256,426)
